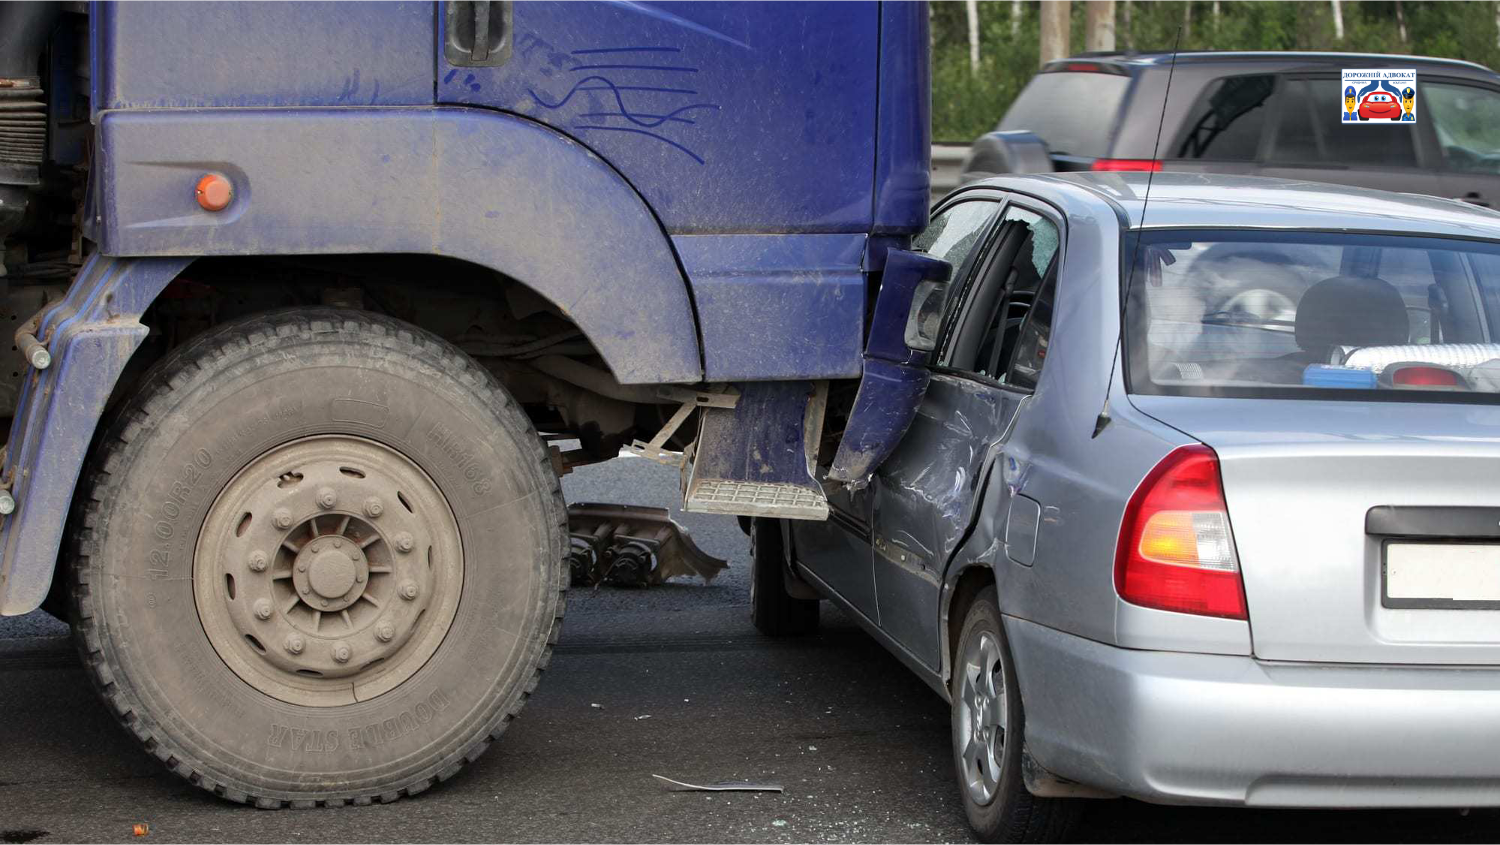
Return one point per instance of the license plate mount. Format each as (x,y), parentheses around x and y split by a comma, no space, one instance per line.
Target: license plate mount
(1455,575)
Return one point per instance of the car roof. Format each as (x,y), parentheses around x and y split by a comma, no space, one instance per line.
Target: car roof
(1289,58)
(1209,200)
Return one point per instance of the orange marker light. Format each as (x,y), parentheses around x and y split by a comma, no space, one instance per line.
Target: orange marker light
(141,829)
(213,192)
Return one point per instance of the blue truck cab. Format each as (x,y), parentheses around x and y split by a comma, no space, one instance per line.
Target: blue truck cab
(304,292)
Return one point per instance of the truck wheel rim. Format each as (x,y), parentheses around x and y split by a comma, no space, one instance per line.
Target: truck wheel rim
(328,571)
(981,717)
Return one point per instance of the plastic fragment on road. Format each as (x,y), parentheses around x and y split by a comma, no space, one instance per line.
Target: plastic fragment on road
(723,786)
(141,829)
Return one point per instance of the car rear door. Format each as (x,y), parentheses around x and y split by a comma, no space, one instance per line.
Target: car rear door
(925,492)
(837,551)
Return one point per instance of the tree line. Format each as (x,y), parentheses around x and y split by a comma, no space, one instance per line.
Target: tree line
(985,51)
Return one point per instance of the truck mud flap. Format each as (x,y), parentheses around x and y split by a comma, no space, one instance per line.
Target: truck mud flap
(87,337)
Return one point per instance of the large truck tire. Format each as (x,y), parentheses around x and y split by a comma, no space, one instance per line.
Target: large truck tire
(774,611)
(318,560)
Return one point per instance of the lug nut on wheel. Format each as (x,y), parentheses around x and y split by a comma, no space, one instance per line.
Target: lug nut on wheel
(342,652)
(408,590)
(327,497)
(257,561)
(374,507)
(263,609)
(295,644)
(282,518)
(405,542)
(386,632)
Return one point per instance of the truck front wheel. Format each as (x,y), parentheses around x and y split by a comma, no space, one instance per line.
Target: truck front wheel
(318,560)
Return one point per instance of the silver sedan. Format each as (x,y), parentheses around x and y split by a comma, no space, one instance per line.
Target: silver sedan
(1200,504)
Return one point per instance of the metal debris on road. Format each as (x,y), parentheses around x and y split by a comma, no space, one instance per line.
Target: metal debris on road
(632,546)
(724,786)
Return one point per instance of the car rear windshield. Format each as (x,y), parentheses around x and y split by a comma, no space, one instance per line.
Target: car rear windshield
(1073,112)
(1313,315)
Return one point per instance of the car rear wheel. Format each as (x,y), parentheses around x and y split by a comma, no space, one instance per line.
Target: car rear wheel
(774,611)
(319,560)
(988,730)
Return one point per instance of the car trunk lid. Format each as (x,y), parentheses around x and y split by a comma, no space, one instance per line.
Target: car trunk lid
(1367,532)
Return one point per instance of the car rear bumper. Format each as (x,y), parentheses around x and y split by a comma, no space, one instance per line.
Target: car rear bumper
(1180,728)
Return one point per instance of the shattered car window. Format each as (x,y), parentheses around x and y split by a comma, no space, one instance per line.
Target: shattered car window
(1290,314)
(954,233)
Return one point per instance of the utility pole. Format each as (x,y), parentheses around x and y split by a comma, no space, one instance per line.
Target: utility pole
(1015,18)
(1401,22)
(1056,18)
(1338,20)
(1125,24)
(1187,20)
(972,8)
(1099,28)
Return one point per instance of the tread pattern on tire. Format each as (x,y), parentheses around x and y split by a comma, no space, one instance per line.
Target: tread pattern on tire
(1030,819)
(177,370)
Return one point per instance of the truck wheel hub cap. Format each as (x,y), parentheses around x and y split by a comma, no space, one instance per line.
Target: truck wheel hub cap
(328,571)
(981,717)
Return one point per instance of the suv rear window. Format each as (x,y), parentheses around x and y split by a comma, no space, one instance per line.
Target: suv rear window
(1313,315)
(1073,112)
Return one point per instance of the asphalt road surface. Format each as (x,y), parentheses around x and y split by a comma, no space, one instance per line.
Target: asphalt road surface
(670,681)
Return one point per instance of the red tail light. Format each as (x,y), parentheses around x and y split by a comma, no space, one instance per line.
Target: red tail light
(1131,165)
(1176,551)
(1425,377)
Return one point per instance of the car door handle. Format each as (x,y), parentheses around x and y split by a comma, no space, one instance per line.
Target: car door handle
(477,33)
(1473,198)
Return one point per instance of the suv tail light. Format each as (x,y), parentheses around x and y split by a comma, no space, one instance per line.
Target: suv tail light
(1132,165)
(1176,551)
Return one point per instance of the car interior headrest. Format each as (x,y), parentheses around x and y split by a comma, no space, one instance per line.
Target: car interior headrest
(1351,311)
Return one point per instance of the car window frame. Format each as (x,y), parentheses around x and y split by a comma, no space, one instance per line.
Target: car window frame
(958,281)
(959,305)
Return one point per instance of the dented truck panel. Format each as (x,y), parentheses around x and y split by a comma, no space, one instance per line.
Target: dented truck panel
(455,182)
(895,375)
(92,334)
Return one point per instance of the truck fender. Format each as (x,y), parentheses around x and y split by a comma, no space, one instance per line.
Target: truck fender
(483,186)
(91,334)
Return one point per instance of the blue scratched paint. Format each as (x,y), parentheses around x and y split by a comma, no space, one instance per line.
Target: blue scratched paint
(728,117)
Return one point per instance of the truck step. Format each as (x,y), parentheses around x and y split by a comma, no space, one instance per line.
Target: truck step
(756,459)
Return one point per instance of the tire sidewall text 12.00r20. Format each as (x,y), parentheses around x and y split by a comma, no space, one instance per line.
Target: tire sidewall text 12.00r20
(318,560)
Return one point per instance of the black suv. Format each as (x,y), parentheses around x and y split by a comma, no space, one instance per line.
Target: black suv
(1263,114)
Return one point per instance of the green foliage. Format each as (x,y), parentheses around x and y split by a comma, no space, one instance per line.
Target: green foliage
(966,105)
